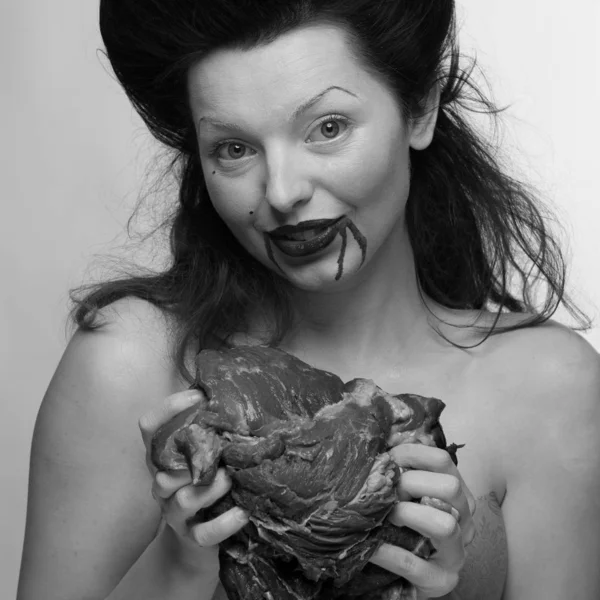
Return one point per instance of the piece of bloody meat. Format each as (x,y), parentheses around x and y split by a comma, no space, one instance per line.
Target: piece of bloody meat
(308,458)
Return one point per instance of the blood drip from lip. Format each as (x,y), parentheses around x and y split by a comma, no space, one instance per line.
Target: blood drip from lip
(346,223)
(361,240)
(342,255)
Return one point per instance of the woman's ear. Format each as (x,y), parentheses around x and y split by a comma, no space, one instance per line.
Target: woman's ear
(422,125)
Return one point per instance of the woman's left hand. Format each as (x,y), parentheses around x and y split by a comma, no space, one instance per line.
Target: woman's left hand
(430,474)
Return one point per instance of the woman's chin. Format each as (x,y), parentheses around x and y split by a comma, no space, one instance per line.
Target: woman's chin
(328,270)
(320,276)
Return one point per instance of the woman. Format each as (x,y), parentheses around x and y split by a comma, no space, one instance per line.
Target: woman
(333,202)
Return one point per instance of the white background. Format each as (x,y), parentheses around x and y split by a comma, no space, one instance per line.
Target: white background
(73,157)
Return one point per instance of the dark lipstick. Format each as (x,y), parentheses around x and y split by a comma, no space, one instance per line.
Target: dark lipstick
(307,237)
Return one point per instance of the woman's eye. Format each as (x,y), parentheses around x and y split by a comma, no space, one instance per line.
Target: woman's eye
(233,151)
(328,130)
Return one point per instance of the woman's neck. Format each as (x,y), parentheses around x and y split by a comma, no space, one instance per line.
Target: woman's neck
(380,311)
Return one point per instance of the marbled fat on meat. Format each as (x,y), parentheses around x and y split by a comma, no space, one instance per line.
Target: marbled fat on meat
(308,458)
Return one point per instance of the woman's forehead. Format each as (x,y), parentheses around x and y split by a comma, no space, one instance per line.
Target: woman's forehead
(281,74)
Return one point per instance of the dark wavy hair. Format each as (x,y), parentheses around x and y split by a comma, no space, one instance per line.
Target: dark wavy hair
(479,236)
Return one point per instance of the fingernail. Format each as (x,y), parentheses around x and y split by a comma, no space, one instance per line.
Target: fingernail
(196,395)
(241,515)
(223,476)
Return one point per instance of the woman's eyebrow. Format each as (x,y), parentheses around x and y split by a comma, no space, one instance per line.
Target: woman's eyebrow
(312,101)
(297,112)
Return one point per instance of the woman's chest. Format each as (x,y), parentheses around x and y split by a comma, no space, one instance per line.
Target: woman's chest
(471,418)
(475,416)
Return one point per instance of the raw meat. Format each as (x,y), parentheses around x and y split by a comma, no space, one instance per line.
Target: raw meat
(308,458)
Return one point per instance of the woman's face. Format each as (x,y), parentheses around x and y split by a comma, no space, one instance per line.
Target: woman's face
(305,154)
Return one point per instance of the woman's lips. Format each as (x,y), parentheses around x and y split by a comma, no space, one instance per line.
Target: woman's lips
(306,238)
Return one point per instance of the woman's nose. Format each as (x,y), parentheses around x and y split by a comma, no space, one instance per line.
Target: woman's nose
(287,186)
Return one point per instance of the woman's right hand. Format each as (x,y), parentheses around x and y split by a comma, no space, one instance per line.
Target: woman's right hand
(180,501)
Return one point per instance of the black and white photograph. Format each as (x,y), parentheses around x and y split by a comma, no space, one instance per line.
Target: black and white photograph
(301,300)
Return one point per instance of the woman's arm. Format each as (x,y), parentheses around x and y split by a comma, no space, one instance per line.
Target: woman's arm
(91,518)
(552,505)
(158,575)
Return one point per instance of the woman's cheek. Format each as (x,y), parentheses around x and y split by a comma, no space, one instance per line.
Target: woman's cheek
(229,199)
(237,205)
(371,176)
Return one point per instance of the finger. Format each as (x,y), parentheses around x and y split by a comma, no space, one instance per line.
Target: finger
(430,577)
(427,458)
(426,520)
(166,410)
(167,483)
(442,486)
(441,507)
(440,527)
(188,500)
(401,494)
(469,527)
(216,530)
(469,534)
(467,524)
(451,551)
(471,501)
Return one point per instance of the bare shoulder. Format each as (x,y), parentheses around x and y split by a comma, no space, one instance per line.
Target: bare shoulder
(539,362)
(117,371)
(546,383)
(546,361)
(90,512)
(132,335)
(548,380)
